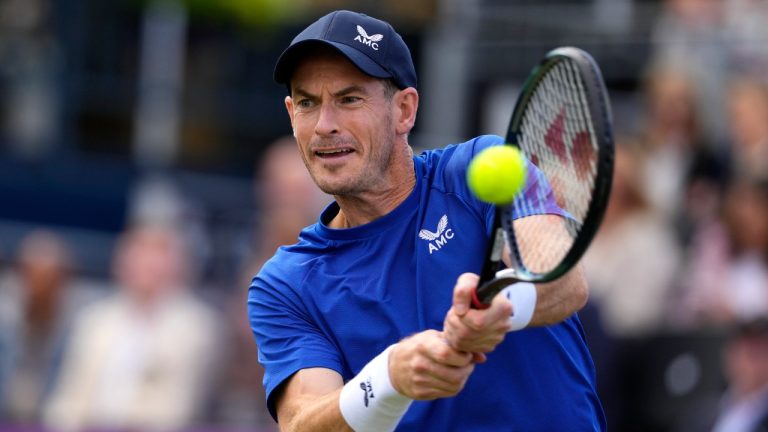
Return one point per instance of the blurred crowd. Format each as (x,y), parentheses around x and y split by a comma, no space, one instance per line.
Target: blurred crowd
(678,271)
(148,349)
(684,243)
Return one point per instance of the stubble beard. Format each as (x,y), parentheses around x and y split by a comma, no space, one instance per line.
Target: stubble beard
(372,173)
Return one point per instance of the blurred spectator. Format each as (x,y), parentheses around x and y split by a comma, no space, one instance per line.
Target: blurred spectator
(7,339)
(37,302)
(688,36)
(157,199)
(630,267)
(702,194)
(747,34)
(744,407)
(287,198)
(672,138)
(710,39)
(748,125)
(238,396)
(142,358)
(727,273)
(633,260)
(29,56)
(288,201)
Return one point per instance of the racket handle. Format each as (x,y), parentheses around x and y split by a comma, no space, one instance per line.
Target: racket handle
(477,303)
(483,295)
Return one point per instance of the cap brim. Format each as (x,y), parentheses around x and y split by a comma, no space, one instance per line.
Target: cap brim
(290,58)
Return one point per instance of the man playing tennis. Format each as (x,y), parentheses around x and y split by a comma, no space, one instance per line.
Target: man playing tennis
(376,294)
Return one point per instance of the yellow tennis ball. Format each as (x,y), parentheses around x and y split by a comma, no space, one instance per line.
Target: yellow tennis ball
(497,174)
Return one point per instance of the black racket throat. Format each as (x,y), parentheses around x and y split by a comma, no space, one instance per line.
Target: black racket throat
(491,283)
(495,250)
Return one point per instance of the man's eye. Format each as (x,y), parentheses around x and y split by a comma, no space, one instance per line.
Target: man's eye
(350,99)
(305,103)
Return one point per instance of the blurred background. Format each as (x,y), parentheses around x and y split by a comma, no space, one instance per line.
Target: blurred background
(145,176)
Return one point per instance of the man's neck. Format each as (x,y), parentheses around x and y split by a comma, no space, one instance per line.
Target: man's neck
(367,207)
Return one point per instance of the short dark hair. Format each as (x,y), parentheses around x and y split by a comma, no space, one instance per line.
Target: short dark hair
(390,87)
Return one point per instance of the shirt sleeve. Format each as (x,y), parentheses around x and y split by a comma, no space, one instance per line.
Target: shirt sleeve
(537,197)
(287,339)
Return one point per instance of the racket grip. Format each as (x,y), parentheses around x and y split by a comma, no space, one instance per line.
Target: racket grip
(483,295)
(477,303)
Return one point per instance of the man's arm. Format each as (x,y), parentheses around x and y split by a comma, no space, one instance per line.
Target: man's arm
(420,367)
(543,240)
(480,331)
(310,401)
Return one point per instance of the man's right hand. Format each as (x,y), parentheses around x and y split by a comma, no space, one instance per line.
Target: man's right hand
(425,367)
(475,330)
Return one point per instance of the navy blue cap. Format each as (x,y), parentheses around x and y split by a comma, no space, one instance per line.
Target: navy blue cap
(370,44)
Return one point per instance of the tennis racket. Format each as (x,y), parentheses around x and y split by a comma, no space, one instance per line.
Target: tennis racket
(562,124)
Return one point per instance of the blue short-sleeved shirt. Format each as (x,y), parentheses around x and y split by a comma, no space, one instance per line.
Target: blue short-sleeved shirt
(339,297)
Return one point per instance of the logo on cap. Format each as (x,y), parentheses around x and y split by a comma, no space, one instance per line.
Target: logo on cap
(363,38)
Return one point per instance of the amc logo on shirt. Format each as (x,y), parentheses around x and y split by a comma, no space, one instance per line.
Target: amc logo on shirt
(436,240)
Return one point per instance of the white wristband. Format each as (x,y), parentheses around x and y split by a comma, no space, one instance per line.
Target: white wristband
(523,296)
(369,402)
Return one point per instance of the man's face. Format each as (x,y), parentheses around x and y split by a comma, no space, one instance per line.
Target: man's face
(343,123)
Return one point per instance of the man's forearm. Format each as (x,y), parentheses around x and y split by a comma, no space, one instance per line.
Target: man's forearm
(559,299)
(367,403)
(314,413)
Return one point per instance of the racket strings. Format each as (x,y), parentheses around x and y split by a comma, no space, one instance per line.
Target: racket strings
(556,134)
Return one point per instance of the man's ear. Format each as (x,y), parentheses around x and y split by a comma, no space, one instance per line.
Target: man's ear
(289,107)
(406,104)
